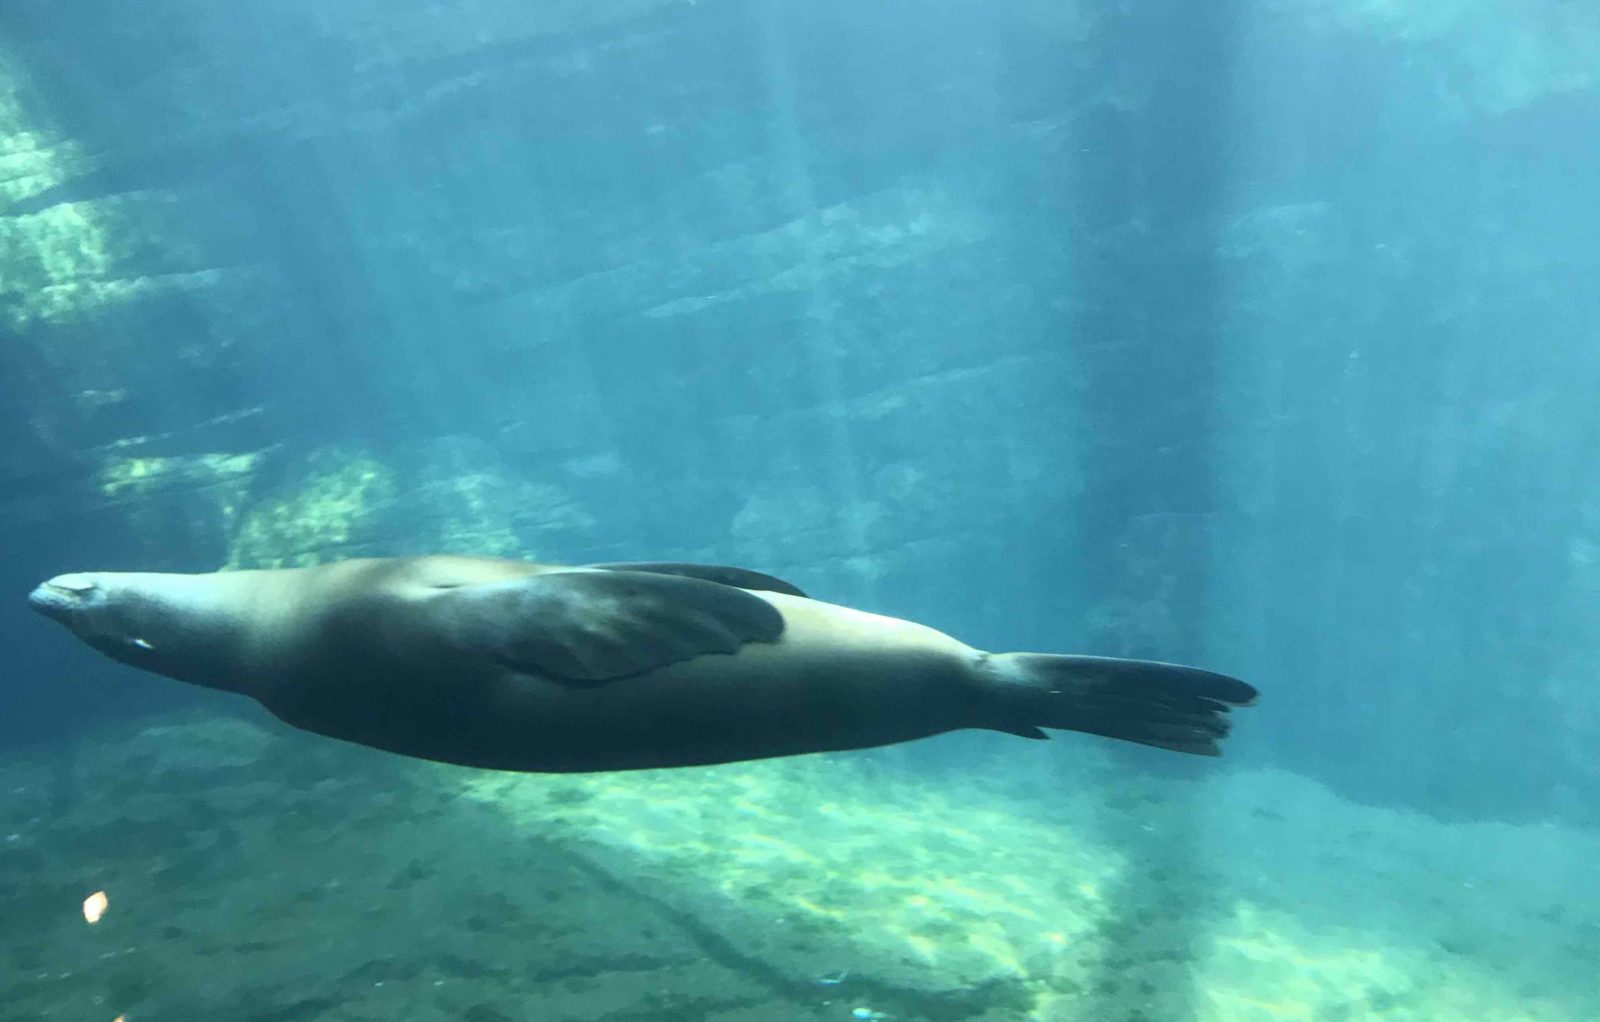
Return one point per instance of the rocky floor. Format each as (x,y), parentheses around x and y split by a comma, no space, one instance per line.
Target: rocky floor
(252,874)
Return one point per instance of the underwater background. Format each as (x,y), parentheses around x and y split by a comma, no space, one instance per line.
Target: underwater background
(1257,334)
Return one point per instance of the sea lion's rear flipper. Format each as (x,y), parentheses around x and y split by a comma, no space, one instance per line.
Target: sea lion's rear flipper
(593,626)
(742,578)
(1166,705)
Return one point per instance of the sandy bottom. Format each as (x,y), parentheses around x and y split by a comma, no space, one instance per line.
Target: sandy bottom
(252,873)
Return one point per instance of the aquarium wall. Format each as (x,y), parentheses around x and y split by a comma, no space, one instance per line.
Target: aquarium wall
(1259,333)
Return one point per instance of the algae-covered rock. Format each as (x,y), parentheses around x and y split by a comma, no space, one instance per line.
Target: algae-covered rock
(279,508)
(462,496)
(77,255)
(334,507)
(303,876)
(61,262)
(122,326)
(34,156)
(250,875)
(1259,897)
(188,503)
(452,495)
(820,869)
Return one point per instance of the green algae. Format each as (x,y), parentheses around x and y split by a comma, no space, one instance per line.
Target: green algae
(448,496)
(188,502)
(70,259)
(224,477)
(334,507)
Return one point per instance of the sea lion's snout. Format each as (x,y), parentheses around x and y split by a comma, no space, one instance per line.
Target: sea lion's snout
(63,594)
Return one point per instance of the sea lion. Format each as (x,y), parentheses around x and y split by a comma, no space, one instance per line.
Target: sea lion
(519,666)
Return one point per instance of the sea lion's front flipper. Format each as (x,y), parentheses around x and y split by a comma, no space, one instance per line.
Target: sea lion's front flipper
(743,578)
(589,626)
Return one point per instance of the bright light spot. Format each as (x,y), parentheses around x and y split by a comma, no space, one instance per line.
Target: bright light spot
(94,906)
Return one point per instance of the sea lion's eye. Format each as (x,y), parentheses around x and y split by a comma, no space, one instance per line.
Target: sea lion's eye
(141,643)
(72,583)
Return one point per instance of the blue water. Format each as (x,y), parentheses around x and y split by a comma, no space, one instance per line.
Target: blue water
(1249,334)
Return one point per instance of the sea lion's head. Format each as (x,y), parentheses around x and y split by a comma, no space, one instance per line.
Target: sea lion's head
(165,623)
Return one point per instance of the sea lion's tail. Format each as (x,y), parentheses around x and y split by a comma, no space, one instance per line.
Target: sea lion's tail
(1166,705)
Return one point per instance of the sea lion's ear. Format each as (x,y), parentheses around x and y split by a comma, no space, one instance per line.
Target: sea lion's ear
(591,626)
(743,578)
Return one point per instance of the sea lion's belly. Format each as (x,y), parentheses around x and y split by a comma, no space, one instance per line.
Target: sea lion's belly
(837,679)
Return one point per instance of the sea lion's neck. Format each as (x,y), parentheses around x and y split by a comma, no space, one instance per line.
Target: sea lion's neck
(195,628)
